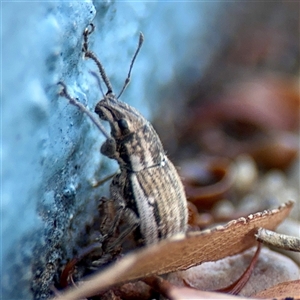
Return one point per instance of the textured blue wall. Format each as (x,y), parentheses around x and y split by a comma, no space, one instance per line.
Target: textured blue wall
(50,151)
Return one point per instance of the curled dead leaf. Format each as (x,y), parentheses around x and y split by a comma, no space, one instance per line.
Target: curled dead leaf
(181,252)
(282,241)
(257,117)
(173,292)
(179,293)
(207,181)
(270,269)
(286,290)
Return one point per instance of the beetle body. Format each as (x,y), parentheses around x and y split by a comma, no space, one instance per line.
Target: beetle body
(147,192)
(148,183)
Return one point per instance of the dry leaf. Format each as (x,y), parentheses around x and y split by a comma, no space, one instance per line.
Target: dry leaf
(289,289)
(291,226)
(188,293)
(179,293)
(173,292)
(257,116)
(275,239)
(207,180)
(137,290)
(182,251)
(270,269)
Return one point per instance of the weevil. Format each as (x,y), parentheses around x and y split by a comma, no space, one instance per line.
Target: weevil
(147,192)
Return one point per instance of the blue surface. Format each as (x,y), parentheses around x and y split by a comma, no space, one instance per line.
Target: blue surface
(50,151)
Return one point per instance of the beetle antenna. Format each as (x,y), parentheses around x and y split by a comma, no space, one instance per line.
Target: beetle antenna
(90,54)
(127,80)
(64,93)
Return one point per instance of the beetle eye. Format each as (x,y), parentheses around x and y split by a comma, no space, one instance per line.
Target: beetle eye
(123,125)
